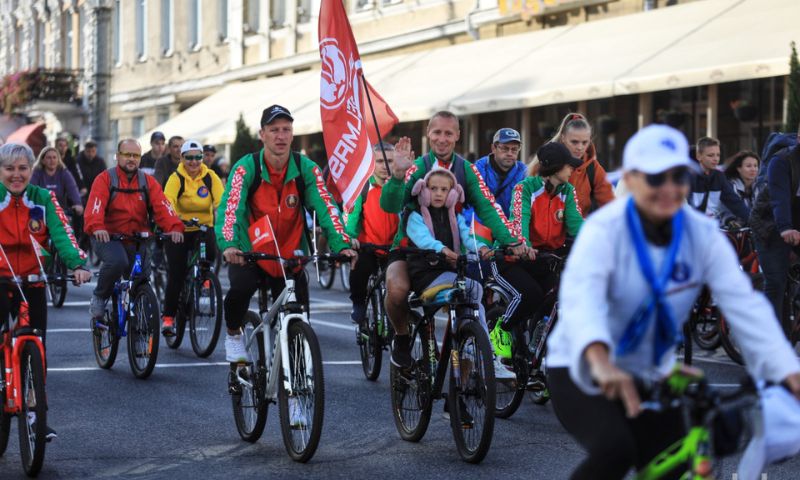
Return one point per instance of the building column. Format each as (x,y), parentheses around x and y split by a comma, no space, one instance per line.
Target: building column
(473,135)
(645,115)
(6,37)
(525,134)
(235,34)
(712,111)
(291,22)
(98,74)
(264,28)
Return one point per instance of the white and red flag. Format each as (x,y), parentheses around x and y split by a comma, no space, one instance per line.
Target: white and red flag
(347,124)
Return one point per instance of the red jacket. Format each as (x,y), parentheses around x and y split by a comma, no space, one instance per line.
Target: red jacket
(601,189)
(369,222)
(127,214)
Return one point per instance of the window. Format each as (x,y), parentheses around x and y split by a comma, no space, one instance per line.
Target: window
(162,117)
(223,19)
(167,35)
(304,11)
(81,37)
(278,12)
(195,25)
(138,126)
(117,53)
(69,38)
(40,45)
(251,14)
(141,35)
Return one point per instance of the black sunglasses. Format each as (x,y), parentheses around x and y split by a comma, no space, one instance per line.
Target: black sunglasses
(680,176)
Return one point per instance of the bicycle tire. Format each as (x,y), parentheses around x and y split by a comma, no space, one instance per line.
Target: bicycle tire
(204,334)
(705,332)
(541,396)
(327,277)
(105,343)
(5,418)
(159,285)
(344,274)
(687,342)
(412,412)
(729,343)
(249,405)
(477,393)
(508,394)
(143,332)
(58,289)
(370,344)
(302,443)
(32,434)
(183,311)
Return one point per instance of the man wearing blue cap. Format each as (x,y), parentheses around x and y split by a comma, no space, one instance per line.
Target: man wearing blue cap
(501,169)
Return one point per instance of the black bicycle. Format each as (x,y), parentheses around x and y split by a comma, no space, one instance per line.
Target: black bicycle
(200,302)
(378,335)
(466,355)
(57,271)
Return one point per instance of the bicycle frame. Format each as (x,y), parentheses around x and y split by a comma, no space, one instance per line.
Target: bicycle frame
(694,447)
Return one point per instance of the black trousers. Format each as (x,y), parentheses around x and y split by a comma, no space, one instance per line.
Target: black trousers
(366,265)
(528,283)
(37,305)
(245,280)
(177,256)
(614,442)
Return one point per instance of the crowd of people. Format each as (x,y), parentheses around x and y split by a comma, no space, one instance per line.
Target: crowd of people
(642,252)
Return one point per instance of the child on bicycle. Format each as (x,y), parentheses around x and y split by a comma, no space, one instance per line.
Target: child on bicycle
(369,223)
(435,225)
(544,211)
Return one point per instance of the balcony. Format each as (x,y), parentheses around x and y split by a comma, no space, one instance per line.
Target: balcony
(53,87)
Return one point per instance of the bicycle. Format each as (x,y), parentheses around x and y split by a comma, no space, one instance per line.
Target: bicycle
(22,389)
(200,300)
(469,361)
(133,303)
(791,305)
(530,345)
(714,422)
(58,270)
(286,365)
(378,335)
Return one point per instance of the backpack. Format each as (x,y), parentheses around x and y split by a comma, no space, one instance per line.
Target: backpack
(206,181)
(459,169)
(762,219)
(143,189)
(776,142)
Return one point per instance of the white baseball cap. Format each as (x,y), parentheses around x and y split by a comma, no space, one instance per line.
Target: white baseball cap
(191,145)
(656,149)
(780,438)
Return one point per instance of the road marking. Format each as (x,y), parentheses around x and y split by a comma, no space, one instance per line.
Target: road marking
(69,330)
(350,328)
(188,365)
(77,304)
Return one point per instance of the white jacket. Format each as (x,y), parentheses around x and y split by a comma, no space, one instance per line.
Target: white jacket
(602,285)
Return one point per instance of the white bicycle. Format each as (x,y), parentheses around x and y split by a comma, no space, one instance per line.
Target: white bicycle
(286,366)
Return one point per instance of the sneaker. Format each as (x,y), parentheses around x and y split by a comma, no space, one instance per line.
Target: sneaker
(359,313)
(97,307)
(168,326)
(235,349)
(401,352)
(501,372)
(50,435)
(297,417)
(501,340)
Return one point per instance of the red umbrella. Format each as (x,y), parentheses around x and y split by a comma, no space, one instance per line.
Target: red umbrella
(32,135)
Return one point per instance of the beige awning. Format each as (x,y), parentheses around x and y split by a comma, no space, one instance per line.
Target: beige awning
(698,43)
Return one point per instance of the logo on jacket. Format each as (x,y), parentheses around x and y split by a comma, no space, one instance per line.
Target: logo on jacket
(96,206)
(292,200)
(36,220)
(560,215)
(202,192)
(681,272)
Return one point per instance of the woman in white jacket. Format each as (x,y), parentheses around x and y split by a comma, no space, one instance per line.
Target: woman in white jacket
(629,284)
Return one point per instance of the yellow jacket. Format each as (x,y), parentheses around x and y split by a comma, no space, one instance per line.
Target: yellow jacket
(195,202)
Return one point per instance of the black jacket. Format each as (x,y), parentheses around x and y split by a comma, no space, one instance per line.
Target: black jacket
(90,169)
(712,189)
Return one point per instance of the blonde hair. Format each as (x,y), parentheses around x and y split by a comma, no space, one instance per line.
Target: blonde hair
(441,173)
(40,166)
(572,121)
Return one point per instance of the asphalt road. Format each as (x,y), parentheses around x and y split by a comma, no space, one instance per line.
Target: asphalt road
(178,423)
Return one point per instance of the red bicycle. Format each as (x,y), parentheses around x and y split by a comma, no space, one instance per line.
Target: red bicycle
(22,361)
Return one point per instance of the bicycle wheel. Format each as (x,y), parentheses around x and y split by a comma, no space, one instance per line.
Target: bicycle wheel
(537,383)
(32,419)
(58,289)
(302,411)
(160,284)
(205,319)
(247,400)
(508,394)
(344,273)
(729,343)
(705,331)
(687,342)
(472,404)
(183,312)
(5,418)
(143,332)
(370,342)
(411,391)
(106,342)
(327,276)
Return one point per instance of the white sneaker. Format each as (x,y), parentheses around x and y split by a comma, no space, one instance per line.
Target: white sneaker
(235,349)
(501,372)
(297,417)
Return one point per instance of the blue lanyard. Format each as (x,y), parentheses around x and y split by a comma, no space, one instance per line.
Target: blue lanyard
(666,334)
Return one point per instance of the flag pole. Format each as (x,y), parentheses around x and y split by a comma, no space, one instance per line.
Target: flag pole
(375,121)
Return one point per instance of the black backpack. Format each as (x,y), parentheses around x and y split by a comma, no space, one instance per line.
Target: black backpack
(206,180)
(143,189)
(762,219)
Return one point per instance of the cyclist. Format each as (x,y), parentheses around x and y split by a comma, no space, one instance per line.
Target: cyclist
(168,162)
(216,165)
(275,183)
(89,165)
(645,258)
(157,150)
(741,172)
(123,200)
(370,224)
(50,172)
(29,212)
(63,147)
(710,189)
(545,211)
(443,133)
(194,191)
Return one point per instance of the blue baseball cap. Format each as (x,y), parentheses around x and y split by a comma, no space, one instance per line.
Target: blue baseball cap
(506,135)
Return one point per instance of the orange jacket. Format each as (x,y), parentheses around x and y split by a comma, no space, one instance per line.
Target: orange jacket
(603,192)
(127,214)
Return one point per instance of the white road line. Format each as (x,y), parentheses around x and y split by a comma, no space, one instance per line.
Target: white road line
(77,304)
(349,328)
(69,330)
(187,365)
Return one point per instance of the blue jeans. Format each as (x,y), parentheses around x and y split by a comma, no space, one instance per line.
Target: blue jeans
(117,261)
(773,256)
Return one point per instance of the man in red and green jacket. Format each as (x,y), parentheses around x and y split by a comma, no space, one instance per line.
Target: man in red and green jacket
(275,183)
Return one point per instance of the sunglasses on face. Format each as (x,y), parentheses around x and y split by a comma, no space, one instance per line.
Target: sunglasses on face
(680,176)
(193,158)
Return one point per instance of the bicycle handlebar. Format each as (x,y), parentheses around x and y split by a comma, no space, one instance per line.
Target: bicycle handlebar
(374,248)
(294,261)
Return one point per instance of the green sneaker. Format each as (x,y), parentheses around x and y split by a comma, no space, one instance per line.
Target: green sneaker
(501,340)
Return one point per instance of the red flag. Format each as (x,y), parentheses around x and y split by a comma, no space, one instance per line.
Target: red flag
(383,113)
(346,119)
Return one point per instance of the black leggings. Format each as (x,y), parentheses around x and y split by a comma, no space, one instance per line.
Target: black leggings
(245,280)
(366,265)
(528,283)
(177,256)
(37,305)
(614,443)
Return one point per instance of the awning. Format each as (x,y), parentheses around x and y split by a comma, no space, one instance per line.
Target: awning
(697,43)
(31,135)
